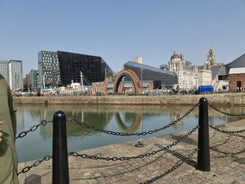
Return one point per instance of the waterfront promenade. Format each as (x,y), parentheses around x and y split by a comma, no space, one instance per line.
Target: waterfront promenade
(227,158)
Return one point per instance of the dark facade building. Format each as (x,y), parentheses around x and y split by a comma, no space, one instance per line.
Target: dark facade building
(161,78)
(74,67)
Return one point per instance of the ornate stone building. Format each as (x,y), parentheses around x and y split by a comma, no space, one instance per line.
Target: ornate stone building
(211,61)
(191,76)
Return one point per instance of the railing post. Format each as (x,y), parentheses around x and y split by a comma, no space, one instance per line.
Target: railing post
(203,158)
(60,158)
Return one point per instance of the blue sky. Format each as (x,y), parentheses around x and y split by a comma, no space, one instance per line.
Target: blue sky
(118,30)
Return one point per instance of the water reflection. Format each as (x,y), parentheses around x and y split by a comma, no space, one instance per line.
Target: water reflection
(127,119)
(130,122)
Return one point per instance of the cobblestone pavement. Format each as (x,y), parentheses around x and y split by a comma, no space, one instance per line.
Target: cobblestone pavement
(227,164)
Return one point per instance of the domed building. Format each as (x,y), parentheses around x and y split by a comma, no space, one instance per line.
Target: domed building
(191,76)
(185,73)
(177,62)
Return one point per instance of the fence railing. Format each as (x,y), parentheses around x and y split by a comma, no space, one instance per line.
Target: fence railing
(60,170)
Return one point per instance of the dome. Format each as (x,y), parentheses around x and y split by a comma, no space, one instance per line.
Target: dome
(175,56)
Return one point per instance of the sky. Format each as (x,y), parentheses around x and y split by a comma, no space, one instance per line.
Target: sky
(118,30)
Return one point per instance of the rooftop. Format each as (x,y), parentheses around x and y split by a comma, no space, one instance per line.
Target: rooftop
(147,67)
(237,63)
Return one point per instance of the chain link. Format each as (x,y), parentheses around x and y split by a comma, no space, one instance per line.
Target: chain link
(93,157)
(225,131)
(32,129)
(225,113)
(176,166)
(85,125)
(35,164)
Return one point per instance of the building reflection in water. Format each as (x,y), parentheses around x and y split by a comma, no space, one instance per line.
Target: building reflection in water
(130,123)
(127,119)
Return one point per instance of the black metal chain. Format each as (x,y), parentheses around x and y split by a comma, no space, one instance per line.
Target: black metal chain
(133,134)
(225,131)
(35,164)
(32,129)
(176,166)
(93,157)
(47,157)
(228,114)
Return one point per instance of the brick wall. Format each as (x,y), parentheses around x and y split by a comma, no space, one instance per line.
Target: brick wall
(233,81)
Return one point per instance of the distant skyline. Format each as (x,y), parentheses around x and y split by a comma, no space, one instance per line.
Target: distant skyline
(118,30)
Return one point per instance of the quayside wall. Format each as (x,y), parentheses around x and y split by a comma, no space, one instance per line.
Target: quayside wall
(227,99)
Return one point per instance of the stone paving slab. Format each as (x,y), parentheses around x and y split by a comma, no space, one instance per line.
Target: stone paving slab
(227,157)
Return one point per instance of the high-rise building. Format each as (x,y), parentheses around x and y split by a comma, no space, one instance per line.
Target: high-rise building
(63,68)
(76,67)
(13,73)
(48,69)
(4,69)
(33,80)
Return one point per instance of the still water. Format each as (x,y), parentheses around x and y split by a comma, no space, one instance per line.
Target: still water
(131,119)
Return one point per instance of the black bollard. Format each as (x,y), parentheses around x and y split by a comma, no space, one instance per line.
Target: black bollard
(60,158)
(203,158)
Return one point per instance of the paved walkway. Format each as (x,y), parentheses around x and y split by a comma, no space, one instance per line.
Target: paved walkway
(227,162)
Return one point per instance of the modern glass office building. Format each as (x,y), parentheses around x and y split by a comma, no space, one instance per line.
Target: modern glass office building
(33,83)
(161,78)
(4,69)
(12,72)
(48,69)
(75,67)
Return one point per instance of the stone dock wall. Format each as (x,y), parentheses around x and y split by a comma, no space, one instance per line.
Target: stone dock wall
(228,99)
